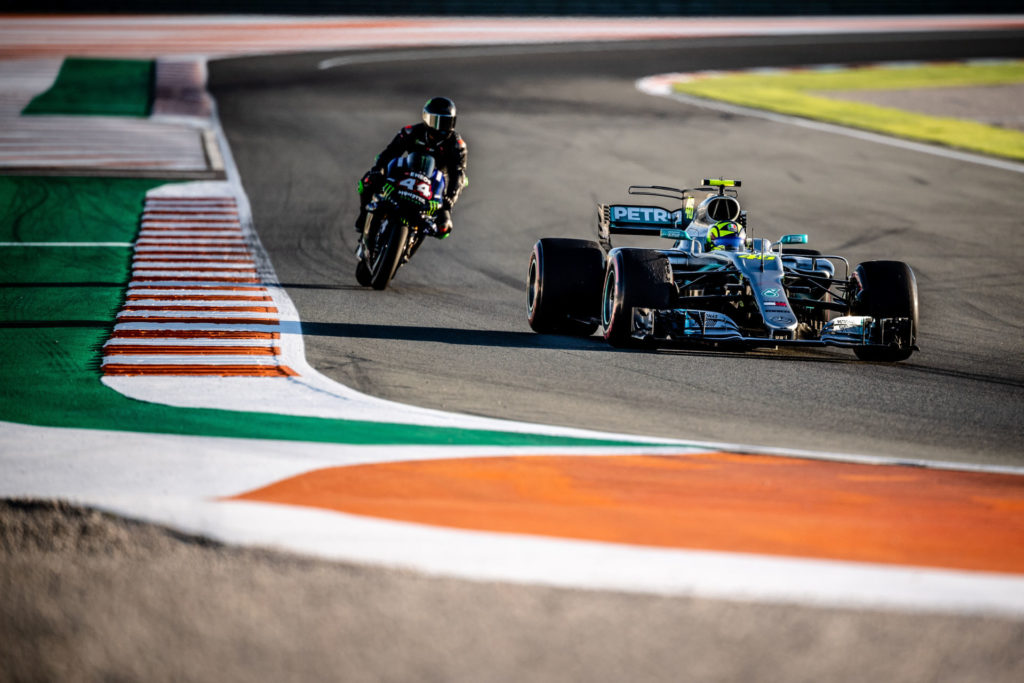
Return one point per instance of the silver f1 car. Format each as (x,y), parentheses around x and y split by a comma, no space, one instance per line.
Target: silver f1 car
(741,292)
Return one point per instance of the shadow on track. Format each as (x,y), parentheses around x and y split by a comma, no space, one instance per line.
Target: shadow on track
(972,376)
(343,288)
(448,335)
(531,340)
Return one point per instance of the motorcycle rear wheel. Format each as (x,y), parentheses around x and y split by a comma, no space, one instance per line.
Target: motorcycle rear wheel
(363,273)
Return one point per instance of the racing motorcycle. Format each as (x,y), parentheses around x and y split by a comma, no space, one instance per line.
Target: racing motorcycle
(398,218)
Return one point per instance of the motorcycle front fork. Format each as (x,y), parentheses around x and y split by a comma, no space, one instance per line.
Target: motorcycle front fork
(361,247)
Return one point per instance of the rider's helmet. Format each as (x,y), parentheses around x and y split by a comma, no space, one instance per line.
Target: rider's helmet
(439,115)
(727,235)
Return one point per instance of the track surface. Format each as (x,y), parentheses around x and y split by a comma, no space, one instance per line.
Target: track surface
(553,131)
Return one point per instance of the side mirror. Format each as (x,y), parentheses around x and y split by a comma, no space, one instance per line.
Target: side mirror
(793,239)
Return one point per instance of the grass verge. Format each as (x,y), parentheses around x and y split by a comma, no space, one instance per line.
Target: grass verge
(793,93)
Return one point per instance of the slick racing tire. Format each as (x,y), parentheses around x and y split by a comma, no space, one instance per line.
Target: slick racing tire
(563,288)
(887,289)
(634,278)
(385,261)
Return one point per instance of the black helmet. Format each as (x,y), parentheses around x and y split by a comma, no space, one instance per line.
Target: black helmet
(439,114)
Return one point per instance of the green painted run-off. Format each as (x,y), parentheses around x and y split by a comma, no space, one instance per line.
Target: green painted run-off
(107,87)
(57,307)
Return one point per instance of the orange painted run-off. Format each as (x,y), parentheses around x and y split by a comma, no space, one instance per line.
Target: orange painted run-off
(191,204)
(182,270)
(201,370)
(193,229)
(233,309)
(199,216)
(173,240)
(717,501)
(186,268)
(171,199)
(187,234)
(232,252)
(193,334)
(176,217)
(189,350)
(193,259)
(197,288)
(194,321)
(189,228)
(197,297)
(198,278)
(179,208)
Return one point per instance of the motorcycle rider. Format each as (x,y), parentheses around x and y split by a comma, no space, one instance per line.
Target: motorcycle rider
(437,137)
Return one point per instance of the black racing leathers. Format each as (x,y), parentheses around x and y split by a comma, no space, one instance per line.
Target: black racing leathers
(448,150)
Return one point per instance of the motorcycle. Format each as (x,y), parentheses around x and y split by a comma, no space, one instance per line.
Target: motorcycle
(399,217)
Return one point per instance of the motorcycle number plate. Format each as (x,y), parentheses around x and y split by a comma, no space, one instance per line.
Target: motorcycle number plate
(422,189)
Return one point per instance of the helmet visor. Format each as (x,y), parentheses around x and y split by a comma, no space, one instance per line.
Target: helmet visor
(443,122)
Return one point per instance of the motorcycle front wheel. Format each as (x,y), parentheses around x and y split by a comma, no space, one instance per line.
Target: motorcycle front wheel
(390,244)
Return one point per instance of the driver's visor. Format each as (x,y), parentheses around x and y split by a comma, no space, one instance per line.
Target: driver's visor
(439,121)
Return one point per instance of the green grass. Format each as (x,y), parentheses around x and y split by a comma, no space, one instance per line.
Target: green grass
(57,307)
(110,87)
(793,93)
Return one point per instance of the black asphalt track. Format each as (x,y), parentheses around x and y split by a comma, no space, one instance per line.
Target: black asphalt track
(554,130)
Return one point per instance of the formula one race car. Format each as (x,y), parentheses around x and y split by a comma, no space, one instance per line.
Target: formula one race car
(715,285)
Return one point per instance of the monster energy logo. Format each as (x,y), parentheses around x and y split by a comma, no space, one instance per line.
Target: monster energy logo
(434,206)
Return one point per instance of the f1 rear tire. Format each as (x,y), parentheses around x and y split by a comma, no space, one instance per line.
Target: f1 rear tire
(887,289)
(563,289)
(635,278)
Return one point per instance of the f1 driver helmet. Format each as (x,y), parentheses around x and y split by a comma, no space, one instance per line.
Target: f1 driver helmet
(439,114)
(727,235)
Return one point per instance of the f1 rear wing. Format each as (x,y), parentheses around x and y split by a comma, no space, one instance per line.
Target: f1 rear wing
(652,221)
